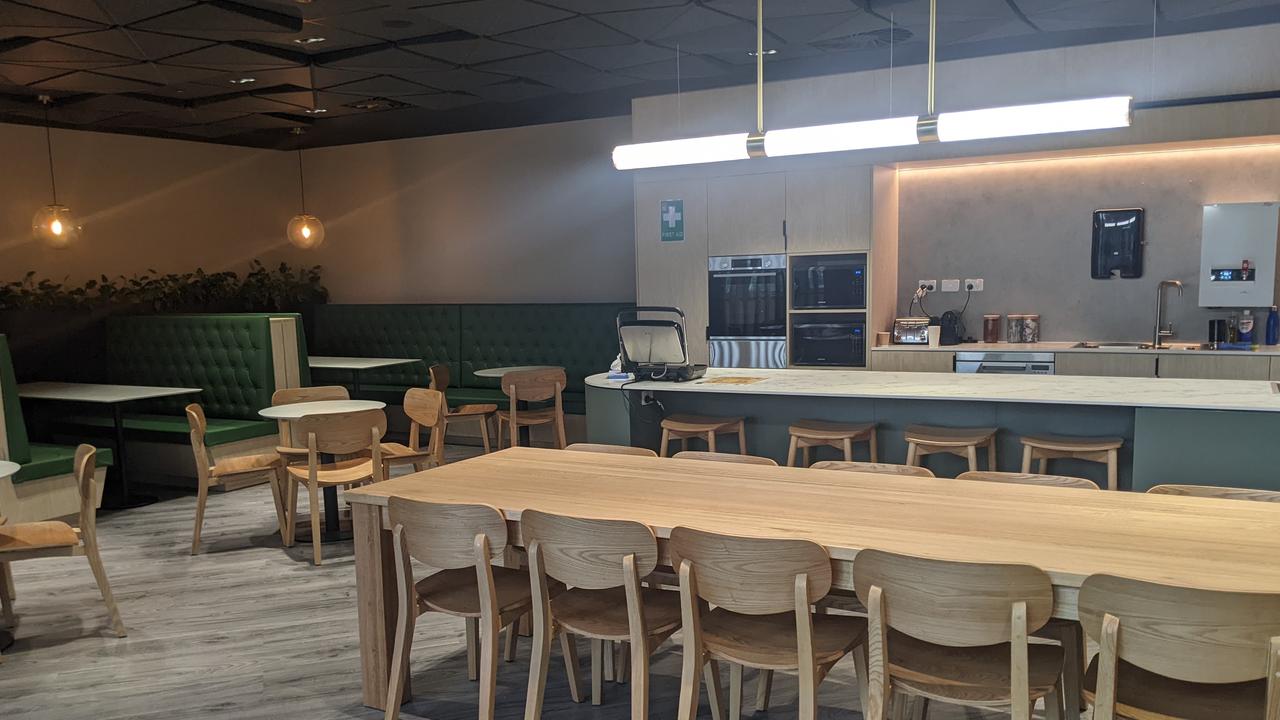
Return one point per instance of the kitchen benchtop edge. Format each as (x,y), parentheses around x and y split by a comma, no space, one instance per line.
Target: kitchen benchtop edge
(1073,347)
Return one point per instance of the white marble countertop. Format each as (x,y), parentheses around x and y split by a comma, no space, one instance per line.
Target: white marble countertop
(1252,395)
(1064,346)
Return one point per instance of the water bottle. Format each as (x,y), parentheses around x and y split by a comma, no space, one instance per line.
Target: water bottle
(1246,327)
(1273,326)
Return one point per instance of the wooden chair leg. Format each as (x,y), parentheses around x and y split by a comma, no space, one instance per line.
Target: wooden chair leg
(561,440)
(873,446)
(1113,469)
(991,455)
(484,433)
(1044,466)
(6,595)
(972,453)
(913,454)
(569,649)
(291,533)
(848,449)
(313,493)
(1053,709)
(622,672)
(805,453)
(742,437)
(498,424)
(639,664)
(662,444)
(715,690)
(690,680)
(735,690)
(7,570)
(202,497)
(597,671)
(1073,669)
(764,688)
(610,662)
(791,451)
(860,670)
(711,441)
(278,483)
(509,649)
(403,643)
(1026,459)
(473,649)
(100,575)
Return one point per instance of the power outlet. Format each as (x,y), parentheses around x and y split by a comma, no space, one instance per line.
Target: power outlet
(951,285)
(973,284)
(646,397)
(928,285)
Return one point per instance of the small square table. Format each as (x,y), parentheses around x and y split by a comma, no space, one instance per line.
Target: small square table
(116,396)
(355,365)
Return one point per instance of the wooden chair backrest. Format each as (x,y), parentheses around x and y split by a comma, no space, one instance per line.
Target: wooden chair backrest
(957,604)
(870,467)
(1062,481)
(86,460)
(534,385)
(439,377)
(724,457)
(587,552)
(1190,634)
(343,433)
(611,449)
(199,425)
(1225,493)
(425,407)
(751,576)
(289,396)
(444,535)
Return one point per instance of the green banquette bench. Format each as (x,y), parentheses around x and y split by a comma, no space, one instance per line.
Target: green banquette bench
(581,337)
(45,487)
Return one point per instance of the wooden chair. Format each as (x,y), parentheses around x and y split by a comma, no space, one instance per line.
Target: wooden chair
(957,632)
(342,434)
(684,427)
(808,434)
(533,386)
(482,412)
(462,541)
(54,539)
(1222,493)
(425,409)
(210,473)
(612,449)
(876,467)
(287,446)
(1170,652)
(1061,481)
(762,590)
(603,562)
(925,440)
(1046,447)
(724,457)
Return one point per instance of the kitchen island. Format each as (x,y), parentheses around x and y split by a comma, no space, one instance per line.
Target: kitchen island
(1217,432)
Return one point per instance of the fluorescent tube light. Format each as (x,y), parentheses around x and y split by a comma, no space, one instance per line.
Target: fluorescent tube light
(890,132)
(1042,118)
(690,151)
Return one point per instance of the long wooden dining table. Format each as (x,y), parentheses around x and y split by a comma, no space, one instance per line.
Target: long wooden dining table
(1069,533)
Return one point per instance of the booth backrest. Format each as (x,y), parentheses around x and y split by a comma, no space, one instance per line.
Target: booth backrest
(580,337)
(15,446)
(229,356)
(426,332)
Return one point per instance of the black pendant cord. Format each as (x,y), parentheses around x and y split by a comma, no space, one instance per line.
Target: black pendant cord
(48,143)
(302,184)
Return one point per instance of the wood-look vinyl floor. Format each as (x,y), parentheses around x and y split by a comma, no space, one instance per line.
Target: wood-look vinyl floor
(249,629)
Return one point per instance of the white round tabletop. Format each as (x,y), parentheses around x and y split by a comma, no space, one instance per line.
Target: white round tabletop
(498,372)
(293,411)
(8,468)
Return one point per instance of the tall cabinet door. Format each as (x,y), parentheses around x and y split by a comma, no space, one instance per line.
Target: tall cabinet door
(829,210)
(674,272)
(745,214)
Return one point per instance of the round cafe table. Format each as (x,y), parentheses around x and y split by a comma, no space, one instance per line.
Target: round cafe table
(6,469)
(297,411)
(497,372)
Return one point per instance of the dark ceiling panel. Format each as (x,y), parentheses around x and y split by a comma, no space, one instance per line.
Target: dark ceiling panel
(491,17)
(380,86)
(383,23)
(612,58)
(514,90)
(85,81)
(577,32)
(229,58)
(454,79)
(597,6)
(467,52)
(17,20)
(1060,15)
(52,53)
(1189,9)
(442,101)
(693,66)
(643,24)
(136,44)
(164,75)
(110,12)
(221,21)
(385,58)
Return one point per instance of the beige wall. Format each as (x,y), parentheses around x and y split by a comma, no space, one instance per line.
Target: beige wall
(518,215)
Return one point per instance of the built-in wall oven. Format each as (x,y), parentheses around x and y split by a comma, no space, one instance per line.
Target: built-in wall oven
(832,339)
(748,311)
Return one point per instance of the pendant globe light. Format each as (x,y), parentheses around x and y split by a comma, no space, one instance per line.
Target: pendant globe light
(304,231)
(53,224)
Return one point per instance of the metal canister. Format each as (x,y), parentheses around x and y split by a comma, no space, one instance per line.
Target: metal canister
(990,328)
(1031,328)
(1013,328)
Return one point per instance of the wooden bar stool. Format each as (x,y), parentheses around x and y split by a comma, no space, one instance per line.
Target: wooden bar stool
(929,440)
(683,427)
(1046,447)
(841,436)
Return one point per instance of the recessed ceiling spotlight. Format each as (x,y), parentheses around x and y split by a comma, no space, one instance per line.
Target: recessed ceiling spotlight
(309,40)
(315,111)
(766,52)
(243,81)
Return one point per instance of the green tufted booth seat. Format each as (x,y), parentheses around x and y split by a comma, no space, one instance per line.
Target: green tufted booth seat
(581,337)
(52,460)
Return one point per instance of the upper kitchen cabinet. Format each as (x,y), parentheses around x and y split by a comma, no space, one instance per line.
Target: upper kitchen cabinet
(671,267)
(829,210)
(745,214)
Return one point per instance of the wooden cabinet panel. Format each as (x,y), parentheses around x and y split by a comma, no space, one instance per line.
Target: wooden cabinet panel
(674,273)
(1105,364)
(829,210)
(1275,368)
(1215,367)
(913,361)
(745,214)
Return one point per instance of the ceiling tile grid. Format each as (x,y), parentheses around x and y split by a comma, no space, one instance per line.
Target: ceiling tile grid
(249,71)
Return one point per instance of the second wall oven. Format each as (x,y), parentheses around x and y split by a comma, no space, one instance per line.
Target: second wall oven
(748,311)
(829,282)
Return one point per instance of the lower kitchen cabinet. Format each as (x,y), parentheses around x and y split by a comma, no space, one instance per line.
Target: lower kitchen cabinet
(1105,364)
(913,361)
(1215,367)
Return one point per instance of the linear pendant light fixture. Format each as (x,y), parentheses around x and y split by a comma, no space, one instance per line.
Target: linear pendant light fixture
(1012,121)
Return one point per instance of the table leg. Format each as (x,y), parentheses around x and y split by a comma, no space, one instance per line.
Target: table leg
(376,602)
(123,499)
(355,382)
(332,524)
(6,640)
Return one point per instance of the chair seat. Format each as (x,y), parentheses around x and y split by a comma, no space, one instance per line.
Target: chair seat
(471,410)
(402,453)
(948,437)
(343,472)
(820,430)
(769,641)
(603,613)
(244,464)
(530,417)
(699,423)
(1062,443)
(971,675)
(457,592)
(1145,695)
(37,535)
